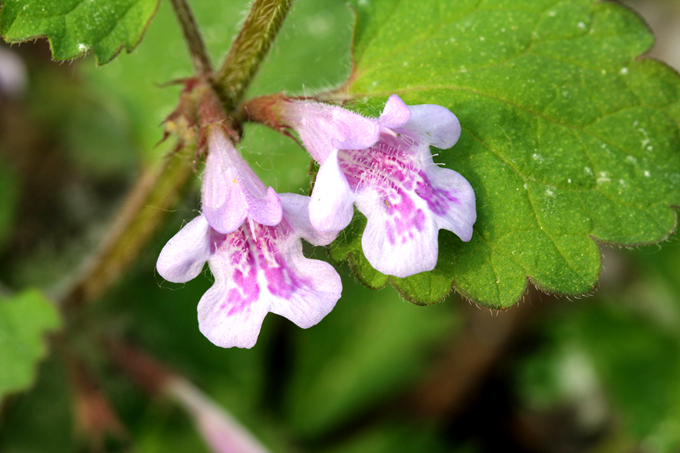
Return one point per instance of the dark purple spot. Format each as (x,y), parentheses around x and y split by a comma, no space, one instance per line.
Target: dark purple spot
(392,168)
(263,250)
(244,294)
(437,199)
(282,281)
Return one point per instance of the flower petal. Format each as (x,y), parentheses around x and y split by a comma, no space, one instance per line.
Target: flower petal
(296,213)
(434,124)
(306,290)
(451,200)
(184,255)
(265,209)
(324,127)
(259,269)
(331,205)
(224,203)
(395,114)
(13,75)
(231,312)
(400,238)
(232,191)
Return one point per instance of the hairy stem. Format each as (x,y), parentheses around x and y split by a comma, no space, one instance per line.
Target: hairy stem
(143,210)
(157,189)
(249,49)
(199,55)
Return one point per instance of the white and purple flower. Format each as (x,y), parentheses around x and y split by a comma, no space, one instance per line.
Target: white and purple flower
(384,166)
(251,237)
(257,269)
(258,264)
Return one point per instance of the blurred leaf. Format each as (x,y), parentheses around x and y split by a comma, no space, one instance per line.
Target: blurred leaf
(638,362)
(608,352)
(370,348)
(397,437)
(40,420)
(166,428)
(24,321)
(93,127)
(567,135)
(74,27)
(97,138)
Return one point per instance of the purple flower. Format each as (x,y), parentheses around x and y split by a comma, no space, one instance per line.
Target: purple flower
(231,192)
(257,269)
(385,167)
(258,264)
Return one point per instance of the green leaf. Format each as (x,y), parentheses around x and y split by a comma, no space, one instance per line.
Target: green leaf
(75,27)
(41,419)
(24,321)
(568,137)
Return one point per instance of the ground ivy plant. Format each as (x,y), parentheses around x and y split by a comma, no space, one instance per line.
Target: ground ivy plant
(476,145)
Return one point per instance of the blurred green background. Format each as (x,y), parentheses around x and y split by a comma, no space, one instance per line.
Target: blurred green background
(597,374)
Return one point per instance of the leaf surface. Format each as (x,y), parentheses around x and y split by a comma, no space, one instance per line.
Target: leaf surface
(75,27)
(24,321)
(569,138)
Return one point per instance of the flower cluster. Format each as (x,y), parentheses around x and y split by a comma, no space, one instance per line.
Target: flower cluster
(250,236)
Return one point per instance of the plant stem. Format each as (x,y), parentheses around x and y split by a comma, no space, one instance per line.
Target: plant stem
(251,45)
(154,193)
(199,55)
(157,189)
(143,210)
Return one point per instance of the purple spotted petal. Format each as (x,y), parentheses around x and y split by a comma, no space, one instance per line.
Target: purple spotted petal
(451,201)
(400,238)
(230,314)
(332,202)
(324,127)
(403,221)
(307,289)
(395,114)
(231,192)
(259,269)
(184,255)
(406,199)
(434,124)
